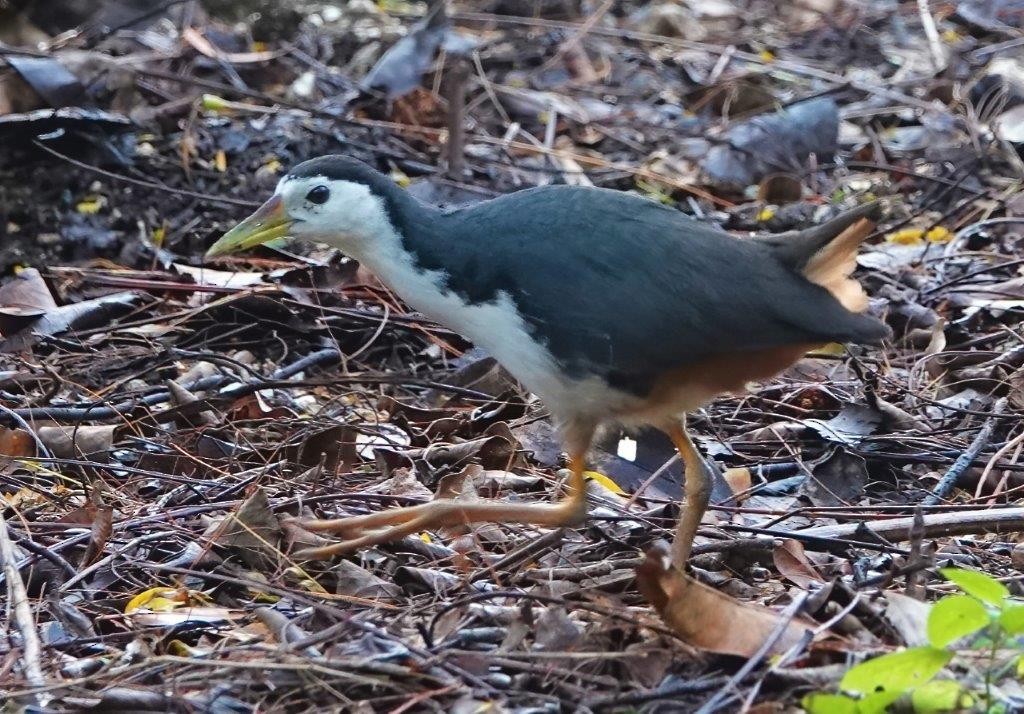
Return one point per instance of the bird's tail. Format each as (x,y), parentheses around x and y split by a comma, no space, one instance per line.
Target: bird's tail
(826,254)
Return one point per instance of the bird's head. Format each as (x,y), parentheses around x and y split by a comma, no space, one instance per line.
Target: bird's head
(332,199)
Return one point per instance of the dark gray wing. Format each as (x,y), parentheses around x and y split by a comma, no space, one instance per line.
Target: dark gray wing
(620,286)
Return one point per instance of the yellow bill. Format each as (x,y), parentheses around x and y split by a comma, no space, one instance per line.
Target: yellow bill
(270,222)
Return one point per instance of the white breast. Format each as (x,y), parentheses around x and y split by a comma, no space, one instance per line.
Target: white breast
(497,327)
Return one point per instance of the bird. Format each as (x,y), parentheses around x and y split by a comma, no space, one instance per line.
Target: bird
(609,307)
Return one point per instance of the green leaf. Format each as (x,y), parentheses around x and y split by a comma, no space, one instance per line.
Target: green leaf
(895,672)
(953,617)
(985,588)
(943,695)
(877,703)
(1011,619)
(821,703)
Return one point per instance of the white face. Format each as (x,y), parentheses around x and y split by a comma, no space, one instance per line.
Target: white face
(343,214)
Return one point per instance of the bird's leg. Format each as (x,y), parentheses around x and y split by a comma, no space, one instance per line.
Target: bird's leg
(698,493)
(377,528)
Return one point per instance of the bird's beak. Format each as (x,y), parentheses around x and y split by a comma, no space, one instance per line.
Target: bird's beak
(270,222)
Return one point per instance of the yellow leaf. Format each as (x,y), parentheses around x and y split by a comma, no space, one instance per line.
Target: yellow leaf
(906,236)
(938,234)
(91,205)
(425,537)
(307,583)
(24,498)
(400,178)
(259,596)
(604,481)
(832,349)
(164,599)
(179,649)
(766,214)
(213,103)
(159,234)
(656,192)
(738,478)
(766,55)
(950,37)
(220,161)
(158,600)
(258,46)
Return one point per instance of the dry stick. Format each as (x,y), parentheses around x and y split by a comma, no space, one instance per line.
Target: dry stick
(455,149)
(948,481)
(17,598)
(672,691)
(1004,520)
(521,555)
(934,43)
(915,583)
(1006,448)
(144,184)
(581,32)
(582,159)
(106,410)
(775,64)
(725,693)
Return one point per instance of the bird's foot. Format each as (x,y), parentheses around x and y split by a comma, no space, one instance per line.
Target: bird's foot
(376,528)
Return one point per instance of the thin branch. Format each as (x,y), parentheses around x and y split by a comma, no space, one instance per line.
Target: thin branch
(17,600)
(949,480)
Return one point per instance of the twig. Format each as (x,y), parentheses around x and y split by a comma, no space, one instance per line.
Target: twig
(582,30)
(17,599)
(1006,448)
(145,184)
(1003,520)
(934,43)
(673,692)
(99,410)
(13,416)
(789,65)
(915,585)
(945,485)
(43,552)
(528,552)
(455,148)
(785,618)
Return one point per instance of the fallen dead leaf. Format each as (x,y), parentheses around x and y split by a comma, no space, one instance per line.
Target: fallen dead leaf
(793,564)
(836,480)
(23,301)
(556,631)
(17,443)
(180,616)
(254,532)
(708,619)
(100,529)
(909,617)
(357,581)
(69,442)
(738,478)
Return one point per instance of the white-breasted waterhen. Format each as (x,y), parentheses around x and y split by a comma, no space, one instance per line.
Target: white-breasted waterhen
(606,305)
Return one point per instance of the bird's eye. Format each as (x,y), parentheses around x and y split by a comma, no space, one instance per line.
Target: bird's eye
(318,194)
